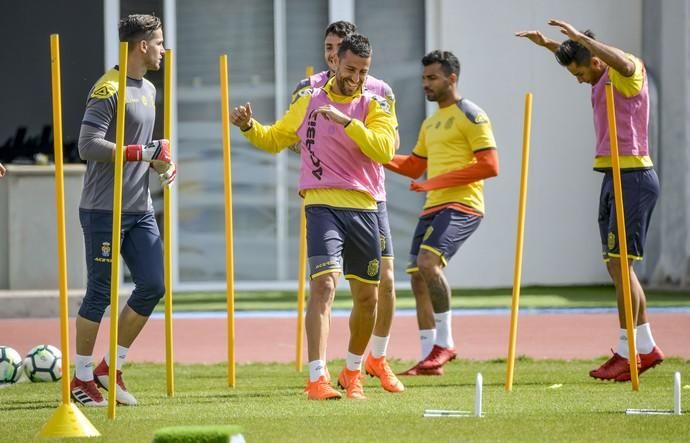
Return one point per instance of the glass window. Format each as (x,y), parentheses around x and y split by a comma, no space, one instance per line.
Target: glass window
(244,31)
(398,47)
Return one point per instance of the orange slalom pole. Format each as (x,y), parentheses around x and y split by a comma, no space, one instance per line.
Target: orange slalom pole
(229,259)
(167,231)
(517,275)
(67,420)
(622,237)
(117,224)
(302,271)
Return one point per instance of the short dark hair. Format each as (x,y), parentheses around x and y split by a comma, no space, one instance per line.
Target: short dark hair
(572,52)
(357,44)
(341,28)
(448,61)
(137,27)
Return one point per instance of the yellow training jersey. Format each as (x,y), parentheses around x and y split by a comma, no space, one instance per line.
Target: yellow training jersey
(448,140)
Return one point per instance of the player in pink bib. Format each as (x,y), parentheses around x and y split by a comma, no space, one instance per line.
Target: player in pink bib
(375,363)
(593,62)
(345,134)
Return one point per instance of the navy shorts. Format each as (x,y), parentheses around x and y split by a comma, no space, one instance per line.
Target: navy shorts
(385,231)
(441,232)
(142,251)
(343,240)
(640,193)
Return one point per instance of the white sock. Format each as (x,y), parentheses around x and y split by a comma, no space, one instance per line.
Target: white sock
(317,368)
(622,349)
(83,366)
(121,356)
(645,341)
(444,332)
(379,346)
(427,337)
(354,362)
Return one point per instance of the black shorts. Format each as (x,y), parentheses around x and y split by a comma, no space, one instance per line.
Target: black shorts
(343,240)
(640,193)
(441,232)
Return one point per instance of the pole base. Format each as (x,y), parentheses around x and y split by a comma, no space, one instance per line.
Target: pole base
(68,421)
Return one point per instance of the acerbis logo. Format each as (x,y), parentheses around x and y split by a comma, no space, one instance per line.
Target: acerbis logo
(317,169)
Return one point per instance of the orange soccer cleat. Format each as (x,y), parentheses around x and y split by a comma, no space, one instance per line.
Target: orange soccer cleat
(321,389)
(351,381)
(378,367)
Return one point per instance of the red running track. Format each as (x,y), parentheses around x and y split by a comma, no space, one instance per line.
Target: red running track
(562,336)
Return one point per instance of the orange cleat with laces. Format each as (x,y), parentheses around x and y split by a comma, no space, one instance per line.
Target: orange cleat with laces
(351,381)
(321,389)
(378,367)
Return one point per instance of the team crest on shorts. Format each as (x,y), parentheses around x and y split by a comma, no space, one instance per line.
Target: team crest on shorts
(105,249)
(373,268)
(612,241)
(428,232)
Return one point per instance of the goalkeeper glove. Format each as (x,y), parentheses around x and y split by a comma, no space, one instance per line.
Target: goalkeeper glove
(168,176)
(155,150)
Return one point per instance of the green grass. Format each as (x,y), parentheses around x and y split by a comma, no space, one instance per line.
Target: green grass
(269,405)
(530,297)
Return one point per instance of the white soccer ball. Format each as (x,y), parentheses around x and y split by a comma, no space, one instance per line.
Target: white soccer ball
(43,363)
(10,365)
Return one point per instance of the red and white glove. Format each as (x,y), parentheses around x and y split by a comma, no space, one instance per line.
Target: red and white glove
(155,150)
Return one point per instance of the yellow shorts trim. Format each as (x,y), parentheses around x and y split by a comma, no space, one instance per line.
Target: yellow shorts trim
(437,252)
(388,258)
(327,271)
(630,257)
(363,280)
(412,270)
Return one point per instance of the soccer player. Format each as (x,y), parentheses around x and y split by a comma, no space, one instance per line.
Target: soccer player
(345,133)
(375,363)
(2,170)
(141,243)
(593,62)
(456,147)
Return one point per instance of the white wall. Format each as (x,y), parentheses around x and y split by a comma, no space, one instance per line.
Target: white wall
(561,237)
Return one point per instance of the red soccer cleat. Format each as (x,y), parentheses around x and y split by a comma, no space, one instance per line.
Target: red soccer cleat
(437,357)
(646,361)
(613,368)
(86,393)
(415,370)
(122,395)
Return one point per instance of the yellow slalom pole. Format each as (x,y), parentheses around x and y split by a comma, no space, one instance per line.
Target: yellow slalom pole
(117,222)
(67,420)
(167,230)
(302,271)
(622,237)
(229,258)
(512,343)
(60,207)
